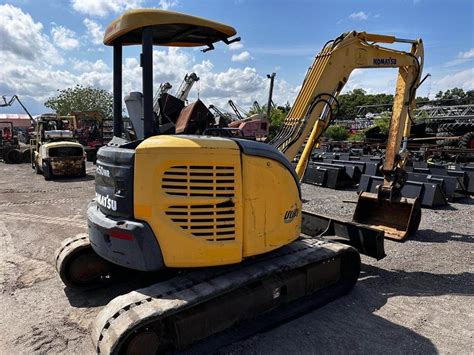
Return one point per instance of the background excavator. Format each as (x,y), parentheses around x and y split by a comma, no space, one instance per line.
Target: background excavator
(226,213)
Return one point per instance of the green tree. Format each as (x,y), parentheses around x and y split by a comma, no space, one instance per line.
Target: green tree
(383,122)
(337,133)
(356,137)
(455,96)
(349,103)
(81,98)
(277,117)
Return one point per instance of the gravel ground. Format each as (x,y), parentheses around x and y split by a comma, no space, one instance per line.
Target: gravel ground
(416,300)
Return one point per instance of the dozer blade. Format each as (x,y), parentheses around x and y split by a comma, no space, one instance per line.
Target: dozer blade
(398,218)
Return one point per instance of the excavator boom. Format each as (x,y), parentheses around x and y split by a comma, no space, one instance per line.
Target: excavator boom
(316,104)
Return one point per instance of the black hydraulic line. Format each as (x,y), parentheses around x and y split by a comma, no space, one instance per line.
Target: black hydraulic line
(117,88)
(288,130)
(317,100)
(331,115)
(147,81)
(423,80)
(413,86)
(286,141)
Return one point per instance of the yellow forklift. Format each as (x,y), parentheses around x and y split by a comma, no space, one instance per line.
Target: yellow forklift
(225,213)
(54,149)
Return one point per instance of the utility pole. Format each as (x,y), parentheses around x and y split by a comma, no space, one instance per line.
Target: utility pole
(270,94)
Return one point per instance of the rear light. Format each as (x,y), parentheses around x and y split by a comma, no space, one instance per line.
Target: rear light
(121,235)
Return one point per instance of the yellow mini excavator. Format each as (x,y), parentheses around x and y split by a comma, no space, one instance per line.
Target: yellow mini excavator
(224,212)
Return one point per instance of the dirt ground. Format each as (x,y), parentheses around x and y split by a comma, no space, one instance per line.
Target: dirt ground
(419,299)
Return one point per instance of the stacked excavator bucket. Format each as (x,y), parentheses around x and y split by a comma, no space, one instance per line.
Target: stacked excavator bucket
(433,187)
(338,173)
(334,176)
(429,194)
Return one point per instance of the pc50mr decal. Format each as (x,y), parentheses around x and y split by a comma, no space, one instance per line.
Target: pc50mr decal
(106,201)
(102,171)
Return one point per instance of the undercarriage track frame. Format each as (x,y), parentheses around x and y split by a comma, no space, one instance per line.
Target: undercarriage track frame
(159,313)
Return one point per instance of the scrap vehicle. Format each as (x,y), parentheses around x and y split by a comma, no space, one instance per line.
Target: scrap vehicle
(90,132)
(54,149)
(171,114)
(254,127)
(10,151)
(250,127)
(226,213)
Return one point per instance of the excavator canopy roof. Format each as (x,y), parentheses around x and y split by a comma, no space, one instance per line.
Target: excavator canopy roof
(169,29)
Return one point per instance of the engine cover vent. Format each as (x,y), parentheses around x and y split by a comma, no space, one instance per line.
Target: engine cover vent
(212,222)
(202,181)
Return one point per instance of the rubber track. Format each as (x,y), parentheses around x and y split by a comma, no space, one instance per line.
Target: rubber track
(67,245)
(148,305)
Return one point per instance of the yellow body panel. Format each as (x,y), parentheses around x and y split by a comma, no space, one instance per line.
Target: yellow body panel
(208,204)
(272,207)
(157,204)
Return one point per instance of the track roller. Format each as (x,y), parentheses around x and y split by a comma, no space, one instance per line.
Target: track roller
(172,315)
(80,267)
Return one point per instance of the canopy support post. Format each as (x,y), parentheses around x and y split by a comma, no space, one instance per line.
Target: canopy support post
(117,88)
(147,81)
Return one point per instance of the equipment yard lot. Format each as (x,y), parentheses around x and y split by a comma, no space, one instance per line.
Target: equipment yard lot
(419,299)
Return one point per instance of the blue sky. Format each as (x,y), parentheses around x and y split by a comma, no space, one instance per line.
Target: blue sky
(49,45)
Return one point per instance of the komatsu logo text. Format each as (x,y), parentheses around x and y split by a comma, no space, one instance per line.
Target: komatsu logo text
(102,171)
(385,61)
(290,215)
(106,202)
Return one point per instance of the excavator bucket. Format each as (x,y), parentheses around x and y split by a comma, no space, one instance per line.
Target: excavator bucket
(397,218)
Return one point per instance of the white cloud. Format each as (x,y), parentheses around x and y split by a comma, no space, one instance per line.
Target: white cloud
(37,78)
(85,65)
(235,46)
(167,4)
(463,79)
(461,58)
(373,81)
(94,31)
(22,38)
(64,38)
(241,57)
(466,55)
(102,8)
(361,15)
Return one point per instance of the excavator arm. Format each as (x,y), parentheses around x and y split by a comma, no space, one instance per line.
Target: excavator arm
(316,104)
